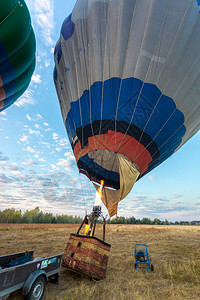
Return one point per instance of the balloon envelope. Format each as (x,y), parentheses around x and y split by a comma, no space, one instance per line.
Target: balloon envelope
(127,75)
(17,51)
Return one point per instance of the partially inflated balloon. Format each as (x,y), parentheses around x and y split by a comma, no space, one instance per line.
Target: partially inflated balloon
(127,75)
(17,51)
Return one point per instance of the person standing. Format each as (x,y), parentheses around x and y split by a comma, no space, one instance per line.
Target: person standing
(87,231)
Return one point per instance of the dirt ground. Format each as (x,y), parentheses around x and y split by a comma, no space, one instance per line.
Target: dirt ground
(175,252)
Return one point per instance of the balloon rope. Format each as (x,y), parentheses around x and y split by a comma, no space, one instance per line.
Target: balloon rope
(79,103)
(155,48)
(18,3)
(141,87)
(89,81)
(186,119)
(119,94)
(168,149)
(82,194)
(104,64)
(169,52)
(191,68)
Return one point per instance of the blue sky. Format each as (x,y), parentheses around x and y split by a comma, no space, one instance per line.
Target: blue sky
(37,167)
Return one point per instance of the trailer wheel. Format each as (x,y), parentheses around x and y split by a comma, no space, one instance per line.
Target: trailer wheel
(54,278)
(152,268)
(37,289)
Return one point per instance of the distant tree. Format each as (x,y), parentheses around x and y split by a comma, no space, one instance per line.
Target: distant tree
(47,218)
(184,223)
(54,221)
(31,216)
(10,215)
(146,221)
(7,215)
(157,222)
(77,220)
(113,221)
(121,220)
(131,220)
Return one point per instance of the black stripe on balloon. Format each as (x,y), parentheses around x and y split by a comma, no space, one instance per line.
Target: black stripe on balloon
(134,131)
(93,175)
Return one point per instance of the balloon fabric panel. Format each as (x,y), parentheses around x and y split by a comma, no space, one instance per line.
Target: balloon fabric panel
(17,51)
(127,78)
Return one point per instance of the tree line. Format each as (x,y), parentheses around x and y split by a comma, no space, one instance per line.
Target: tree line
(10,215)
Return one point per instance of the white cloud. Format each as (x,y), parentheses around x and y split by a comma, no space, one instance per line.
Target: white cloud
(47,63)
(65,164)
(63,142)
(42,159)
(24,139)
(53,167)
(47,129)
(26,98)
(36,78)
(3,113)
(46,124)
(4,179)
(71,158)
(30,149)
(36,132)
(39,159)
(67,154)
(30,161)
(28,117)
(13,169)
(55,136)
(39,117)
(42,12)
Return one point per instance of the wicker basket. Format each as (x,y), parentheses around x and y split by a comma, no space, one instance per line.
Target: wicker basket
(87,255)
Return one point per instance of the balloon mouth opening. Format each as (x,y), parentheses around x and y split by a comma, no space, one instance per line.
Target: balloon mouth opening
(102,168)
(99,195)
(97,182)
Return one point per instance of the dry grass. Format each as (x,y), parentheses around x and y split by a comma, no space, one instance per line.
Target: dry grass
(175,254)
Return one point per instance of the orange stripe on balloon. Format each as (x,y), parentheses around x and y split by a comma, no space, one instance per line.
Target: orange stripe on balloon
(2,94)
(1,81)
(1,104)
(111,141)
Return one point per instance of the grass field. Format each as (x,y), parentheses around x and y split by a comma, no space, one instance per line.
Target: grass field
(175,252)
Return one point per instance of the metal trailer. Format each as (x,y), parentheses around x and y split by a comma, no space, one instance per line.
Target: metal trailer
(30,277)
(142,257)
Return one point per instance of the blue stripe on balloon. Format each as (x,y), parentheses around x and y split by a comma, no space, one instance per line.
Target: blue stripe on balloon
(58,51)
(7,102)
(103,173)
(67,29)
(198,2)
(3,54)
(10,89)
(7,73)
(145,99)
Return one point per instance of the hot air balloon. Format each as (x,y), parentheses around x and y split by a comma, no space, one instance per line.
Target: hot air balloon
(127,76)
(17,51)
